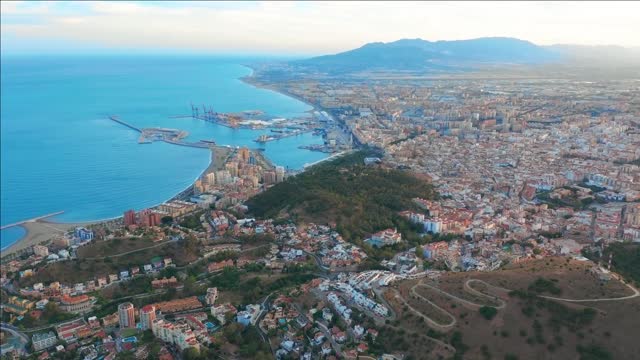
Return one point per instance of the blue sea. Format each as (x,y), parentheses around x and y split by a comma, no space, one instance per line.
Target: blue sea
(60,152)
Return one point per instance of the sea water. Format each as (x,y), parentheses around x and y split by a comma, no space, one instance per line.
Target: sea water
(60,152)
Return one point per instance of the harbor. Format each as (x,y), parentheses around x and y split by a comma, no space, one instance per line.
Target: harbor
(280,135)
(171,136)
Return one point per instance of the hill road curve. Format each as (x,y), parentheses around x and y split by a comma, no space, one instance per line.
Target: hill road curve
(467,287)
(635,294)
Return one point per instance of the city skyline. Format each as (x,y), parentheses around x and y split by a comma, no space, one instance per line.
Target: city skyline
(276,27)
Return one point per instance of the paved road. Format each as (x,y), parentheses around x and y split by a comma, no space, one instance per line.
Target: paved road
(17,333)
(327,334)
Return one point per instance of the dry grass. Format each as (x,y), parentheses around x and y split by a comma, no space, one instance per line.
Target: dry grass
(614,327)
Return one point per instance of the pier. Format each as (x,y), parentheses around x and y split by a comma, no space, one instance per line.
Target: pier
(30,220)
(117,119)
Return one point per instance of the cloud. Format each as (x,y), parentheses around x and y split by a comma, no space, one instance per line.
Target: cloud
(314,27)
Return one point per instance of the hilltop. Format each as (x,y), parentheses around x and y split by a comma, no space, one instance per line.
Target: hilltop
(505,315)
(359,199)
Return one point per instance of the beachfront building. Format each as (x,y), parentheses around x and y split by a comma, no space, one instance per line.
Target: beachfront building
(40,250)
(150,218)
(129,217)
(83,234)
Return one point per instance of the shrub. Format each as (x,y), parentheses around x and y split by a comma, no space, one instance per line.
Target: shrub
(488,312)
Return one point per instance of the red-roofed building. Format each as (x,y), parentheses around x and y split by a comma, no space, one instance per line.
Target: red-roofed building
(73,330)
(76,304)
(217,266)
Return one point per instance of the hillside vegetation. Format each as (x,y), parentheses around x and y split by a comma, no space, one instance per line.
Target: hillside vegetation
(359,199)
(626,260)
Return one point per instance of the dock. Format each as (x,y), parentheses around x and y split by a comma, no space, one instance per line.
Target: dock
(30,220)
(170,136)
(279,136)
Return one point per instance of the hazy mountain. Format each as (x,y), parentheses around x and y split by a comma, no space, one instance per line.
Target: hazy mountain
(601,54)
(418,55)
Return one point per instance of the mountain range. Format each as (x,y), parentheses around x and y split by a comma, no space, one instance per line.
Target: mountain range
(423,55)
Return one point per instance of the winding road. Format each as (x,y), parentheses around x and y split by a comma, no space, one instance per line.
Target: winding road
(635,294)
(502,304)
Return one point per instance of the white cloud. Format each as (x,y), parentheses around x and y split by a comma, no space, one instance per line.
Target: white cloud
(319,27)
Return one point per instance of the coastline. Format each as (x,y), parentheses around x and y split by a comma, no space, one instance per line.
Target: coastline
(250,80)
(42,231)
(38,232)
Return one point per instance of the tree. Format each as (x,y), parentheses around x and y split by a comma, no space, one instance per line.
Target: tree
(191,354)
(488,312)
(167,220)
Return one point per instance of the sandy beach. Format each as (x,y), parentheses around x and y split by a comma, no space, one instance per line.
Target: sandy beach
(252,80)
(39,232)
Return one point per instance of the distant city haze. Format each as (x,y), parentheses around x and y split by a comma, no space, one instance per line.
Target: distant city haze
(302,28)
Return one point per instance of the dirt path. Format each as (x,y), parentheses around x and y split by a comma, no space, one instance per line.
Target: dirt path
(130,252)
(434,324)
(636,293)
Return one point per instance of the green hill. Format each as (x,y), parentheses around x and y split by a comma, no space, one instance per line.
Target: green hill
(359,199)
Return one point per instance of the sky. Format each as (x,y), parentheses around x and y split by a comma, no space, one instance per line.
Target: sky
(301,27)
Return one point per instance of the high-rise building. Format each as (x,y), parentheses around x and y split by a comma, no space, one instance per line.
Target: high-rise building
(211,178)
(232,167)
(150,218)
(129,217)
(279,174)
(244,154)
(198,187)
(147,315)
(223,177)
(126,315)
(269,177)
